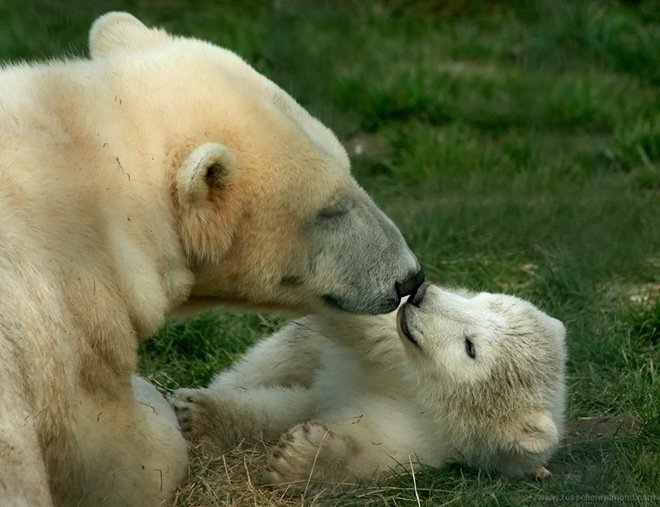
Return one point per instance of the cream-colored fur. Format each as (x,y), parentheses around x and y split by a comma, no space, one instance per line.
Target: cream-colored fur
(162,172)
(471,378)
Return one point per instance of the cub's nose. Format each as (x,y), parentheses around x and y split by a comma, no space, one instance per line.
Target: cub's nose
(416,297)
(410,284)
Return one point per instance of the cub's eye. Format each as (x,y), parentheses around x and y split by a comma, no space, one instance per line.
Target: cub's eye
(469,348)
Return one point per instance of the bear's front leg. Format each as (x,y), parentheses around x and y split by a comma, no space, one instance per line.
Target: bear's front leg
(130,446)
(311,455)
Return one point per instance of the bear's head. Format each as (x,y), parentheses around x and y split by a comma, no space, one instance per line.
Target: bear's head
(493,367)
(263,201)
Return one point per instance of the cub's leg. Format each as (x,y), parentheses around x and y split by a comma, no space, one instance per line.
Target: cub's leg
(224,418)
(362,444)
(291,356)
(259,398)
(311,454)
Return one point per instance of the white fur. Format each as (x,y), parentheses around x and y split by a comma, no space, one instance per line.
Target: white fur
(161,170)
(354,398)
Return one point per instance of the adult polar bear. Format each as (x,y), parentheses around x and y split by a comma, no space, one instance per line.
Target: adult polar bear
(160,170)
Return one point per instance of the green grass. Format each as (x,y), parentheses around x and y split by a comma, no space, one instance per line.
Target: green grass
(519,152)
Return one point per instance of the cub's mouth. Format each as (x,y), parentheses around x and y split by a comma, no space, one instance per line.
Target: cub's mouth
(414,302)
(402,325)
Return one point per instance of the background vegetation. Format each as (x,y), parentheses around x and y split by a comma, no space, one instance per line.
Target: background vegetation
(516,145)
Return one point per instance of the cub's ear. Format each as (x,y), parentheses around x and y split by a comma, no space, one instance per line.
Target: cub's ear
(537,433)
(204,170)
(120,31)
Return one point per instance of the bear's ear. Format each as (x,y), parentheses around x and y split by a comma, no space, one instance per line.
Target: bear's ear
(536,433)
(120,31)
(204,170)
(207,208)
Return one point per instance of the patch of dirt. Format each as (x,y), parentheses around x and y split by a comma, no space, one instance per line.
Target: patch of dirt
(234,479)
(602,426)
(645,295)
(590,435)
(224,479)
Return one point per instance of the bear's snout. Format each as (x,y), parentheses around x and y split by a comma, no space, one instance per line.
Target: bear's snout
(410,285)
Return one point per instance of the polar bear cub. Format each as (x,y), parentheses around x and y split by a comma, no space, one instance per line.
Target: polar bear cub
(451,377)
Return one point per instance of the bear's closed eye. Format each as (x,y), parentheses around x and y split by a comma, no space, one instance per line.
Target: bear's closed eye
(331,212)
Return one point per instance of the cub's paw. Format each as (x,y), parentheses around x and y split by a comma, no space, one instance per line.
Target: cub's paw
(542,473)
(307,453)
(193,408)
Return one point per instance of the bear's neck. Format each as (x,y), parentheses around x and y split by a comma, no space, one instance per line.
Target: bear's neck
(104,170)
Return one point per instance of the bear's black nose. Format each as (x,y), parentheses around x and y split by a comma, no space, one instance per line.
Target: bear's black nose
(410,284)
(416,297)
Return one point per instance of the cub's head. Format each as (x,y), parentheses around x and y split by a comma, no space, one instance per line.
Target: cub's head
(263,200)
(489,367)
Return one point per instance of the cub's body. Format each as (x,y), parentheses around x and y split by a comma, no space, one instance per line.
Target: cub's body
(471,378)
